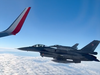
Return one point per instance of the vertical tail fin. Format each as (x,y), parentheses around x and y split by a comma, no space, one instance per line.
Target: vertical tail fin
(75,46)
(17,24)
(90,47)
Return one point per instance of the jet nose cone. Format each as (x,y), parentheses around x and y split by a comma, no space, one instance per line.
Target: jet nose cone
(27,49)
(22,48)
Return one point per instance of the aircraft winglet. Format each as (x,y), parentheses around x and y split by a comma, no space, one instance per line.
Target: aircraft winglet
(17,24)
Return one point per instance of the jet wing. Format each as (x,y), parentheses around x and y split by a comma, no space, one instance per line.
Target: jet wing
(16,25)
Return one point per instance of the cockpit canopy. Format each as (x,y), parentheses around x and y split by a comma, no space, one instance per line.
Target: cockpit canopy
(39,45)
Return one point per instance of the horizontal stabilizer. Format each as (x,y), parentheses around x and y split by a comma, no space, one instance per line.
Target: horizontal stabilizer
(17,24)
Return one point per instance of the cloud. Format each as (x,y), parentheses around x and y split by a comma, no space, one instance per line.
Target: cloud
(22,65)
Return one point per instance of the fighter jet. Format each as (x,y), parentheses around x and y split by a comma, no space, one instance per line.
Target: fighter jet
(64,54)
(16,25)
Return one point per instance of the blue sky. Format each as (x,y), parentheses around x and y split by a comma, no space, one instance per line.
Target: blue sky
(49,22)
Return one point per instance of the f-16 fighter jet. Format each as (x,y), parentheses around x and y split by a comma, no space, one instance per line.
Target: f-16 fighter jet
(64,54)
(16,25)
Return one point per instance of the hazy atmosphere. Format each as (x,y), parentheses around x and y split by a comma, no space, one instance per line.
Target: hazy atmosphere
(49,22)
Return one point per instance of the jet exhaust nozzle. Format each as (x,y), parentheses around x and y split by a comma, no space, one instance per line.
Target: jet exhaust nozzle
(95,53)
